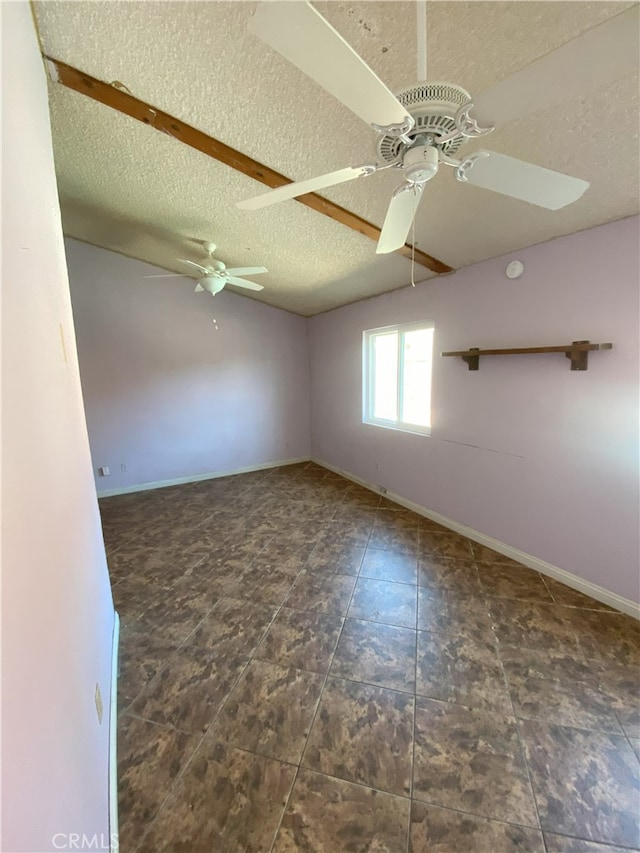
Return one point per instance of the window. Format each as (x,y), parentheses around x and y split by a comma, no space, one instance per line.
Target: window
(397,377)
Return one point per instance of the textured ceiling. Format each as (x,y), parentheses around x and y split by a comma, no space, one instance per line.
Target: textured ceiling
(126,187)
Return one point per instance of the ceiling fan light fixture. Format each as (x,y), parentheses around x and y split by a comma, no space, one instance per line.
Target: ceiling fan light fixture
(212,283)
(421,164)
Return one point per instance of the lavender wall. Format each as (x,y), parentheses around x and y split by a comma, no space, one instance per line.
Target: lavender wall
(526,451)
(57,614)
(168,395)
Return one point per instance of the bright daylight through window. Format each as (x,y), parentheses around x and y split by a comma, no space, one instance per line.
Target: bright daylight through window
(397,377)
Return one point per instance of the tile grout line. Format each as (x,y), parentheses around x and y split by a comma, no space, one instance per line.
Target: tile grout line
(524,753)
(178,647)
(188,762)
(606,845)
(320,697)
(517,723)
(491,820)
(539,828)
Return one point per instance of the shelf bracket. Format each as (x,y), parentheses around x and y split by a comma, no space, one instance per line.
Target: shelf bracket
(473,361)
(579,357)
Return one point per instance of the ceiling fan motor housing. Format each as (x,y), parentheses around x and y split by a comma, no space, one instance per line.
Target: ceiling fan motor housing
(433,107)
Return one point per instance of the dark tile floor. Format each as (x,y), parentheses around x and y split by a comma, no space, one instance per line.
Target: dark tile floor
(305,666)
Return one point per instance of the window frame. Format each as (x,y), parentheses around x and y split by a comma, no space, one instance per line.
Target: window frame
(368,376)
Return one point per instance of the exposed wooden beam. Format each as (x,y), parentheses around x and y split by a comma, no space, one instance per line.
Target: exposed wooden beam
(119,100)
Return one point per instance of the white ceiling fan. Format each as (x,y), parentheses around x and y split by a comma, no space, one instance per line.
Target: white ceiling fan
(425,125)
(215,276)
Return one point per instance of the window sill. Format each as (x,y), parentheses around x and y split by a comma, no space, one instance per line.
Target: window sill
(412,430)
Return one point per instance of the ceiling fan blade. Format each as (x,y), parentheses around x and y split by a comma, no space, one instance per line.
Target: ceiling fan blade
(591,60)
(303,187)
(246,270)
(300,34)
(241,282)
(167,275)
(400,213)
(199,267)
(525,181)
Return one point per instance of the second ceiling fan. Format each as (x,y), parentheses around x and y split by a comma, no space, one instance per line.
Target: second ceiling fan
(214,277)
(425,125)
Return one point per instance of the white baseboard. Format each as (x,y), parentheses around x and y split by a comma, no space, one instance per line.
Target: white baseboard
(195,478)
(113,740)
(626,605)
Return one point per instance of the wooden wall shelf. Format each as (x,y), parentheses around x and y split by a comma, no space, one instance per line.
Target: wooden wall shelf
(578,352)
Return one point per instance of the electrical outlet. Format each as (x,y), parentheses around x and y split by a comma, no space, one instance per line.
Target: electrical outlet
(104,471)
(99,706)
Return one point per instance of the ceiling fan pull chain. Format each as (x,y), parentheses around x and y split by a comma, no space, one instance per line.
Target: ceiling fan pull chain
(413,246)
(422,39)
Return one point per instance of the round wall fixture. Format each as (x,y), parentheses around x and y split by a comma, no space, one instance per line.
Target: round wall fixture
(515,269)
